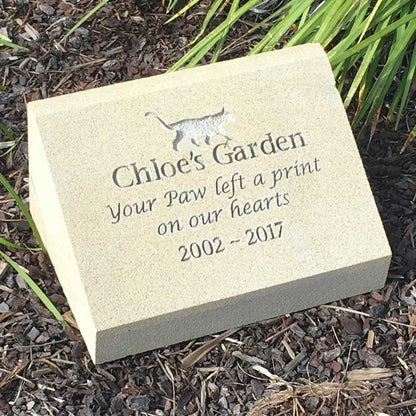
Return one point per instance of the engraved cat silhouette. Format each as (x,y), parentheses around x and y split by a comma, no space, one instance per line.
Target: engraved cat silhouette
(194,128)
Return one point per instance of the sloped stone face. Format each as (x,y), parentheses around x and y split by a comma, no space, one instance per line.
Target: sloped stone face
(187,203)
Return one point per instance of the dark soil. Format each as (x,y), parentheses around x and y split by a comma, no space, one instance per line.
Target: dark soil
(303,363)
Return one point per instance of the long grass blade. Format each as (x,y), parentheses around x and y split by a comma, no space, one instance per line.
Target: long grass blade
(357,18)
(7,243)
(370,77)
(84,19)
(337,58)
(171,5)
(369,56)
(10,149)
(306,32)
(279,13)
(390,8)
(202,52)
(24,210)
(212,37)
(304,17)
(351,16)
(11,137)
(38,291)
(210,14)
(220,44)
(184,9)
(367,41)
(355,33)
(351,36)
(6,131)
(398,35)
(409,140)
(370,19)
(5,41)
(407,83)
(380,88)
(275,34)
(335,14)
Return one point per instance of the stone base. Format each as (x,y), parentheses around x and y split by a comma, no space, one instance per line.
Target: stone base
(185,204)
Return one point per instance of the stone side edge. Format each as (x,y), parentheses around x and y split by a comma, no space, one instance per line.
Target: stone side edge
(47,214)
(118,342)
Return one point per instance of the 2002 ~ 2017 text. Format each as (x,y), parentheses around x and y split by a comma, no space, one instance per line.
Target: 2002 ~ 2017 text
(209,247)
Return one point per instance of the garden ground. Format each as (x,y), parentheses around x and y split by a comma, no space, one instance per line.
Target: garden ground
(356,356)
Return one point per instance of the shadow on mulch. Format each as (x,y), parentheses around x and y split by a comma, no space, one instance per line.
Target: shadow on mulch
(321,361)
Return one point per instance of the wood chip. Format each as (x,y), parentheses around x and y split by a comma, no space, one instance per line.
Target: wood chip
(31,31)
(295,362)
(366,374)
(403,363)
(5,145)
(6,289)
(69,317)
(406,403)
(278,333)
(412,320)
(3,268)
(248,358)
(268,374)
(13,373)
(13,320)
(389,321)
(52,365)
(370,339)
(408,141)
(196,355)
(377,296)
(289,350)
(41,372)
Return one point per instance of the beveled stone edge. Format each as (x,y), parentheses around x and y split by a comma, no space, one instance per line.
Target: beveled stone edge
(348,278)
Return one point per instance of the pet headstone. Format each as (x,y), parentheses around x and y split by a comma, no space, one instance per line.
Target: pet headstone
(184,204)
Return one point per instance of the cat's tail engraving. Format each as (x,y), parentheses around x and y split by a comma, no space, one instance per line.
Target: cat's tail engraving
(162,121)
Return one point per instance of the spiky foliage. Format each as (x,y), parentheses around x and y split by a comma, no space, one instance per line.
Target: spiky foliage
(370,44)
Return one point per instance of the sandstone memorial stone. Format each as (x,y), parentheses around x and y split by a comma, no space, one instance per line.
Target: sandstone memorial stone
(188,203)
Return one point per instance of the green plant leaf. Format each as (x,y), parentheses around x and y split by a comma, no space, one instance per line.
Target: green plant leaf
(276,33)
(220,44)
(171,5)
(24,210)
(337,58)
(403,91)
(307,30)
(335,14)
(6,131)
(5,41)
(84,19)
(377,94)
(370,45)
(409,140)
(209,40)
(187,6)
(7,243)
(210,14)
(11,137)
(369,56)
(38,291)
(10,149)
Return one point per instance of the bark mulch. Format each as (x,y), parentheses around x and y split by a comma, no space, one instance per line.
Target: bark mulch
(353,357)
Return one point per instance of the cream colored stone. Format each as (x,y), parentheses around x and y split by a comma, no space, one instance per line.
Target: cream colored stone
(127,285)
